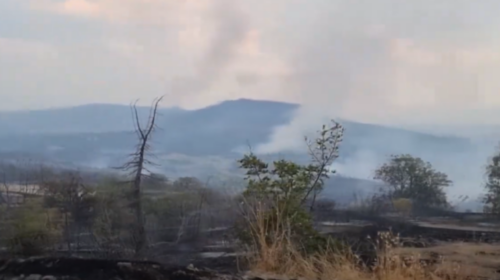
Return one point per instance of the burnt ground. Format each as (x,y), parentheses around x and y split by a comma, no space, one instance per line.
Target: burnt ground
(478,250)
(54,268)
(223,264)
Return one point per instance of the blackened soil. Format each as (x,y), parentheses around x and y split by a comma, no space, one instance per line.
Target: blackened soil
(99,269)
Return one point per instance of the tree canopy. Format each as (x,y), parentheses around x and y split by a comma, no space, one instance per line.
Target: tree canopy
(413,178)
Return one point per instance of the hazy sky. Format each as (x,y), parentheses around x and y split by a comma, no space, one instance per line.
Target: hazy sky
(387,61)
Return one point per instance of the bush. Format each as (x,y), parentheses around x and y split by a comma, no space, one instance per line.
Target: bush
(402,206)
(28,232)
(275,197)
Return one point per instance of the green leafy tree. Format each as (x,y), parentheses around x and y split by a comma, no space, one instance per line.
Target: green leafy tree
(285,188)
(412,178)
(492,198)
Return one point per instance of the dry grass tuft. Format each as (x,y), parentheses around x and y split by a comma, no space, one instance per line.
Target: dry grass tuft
(276,257)
(282,259)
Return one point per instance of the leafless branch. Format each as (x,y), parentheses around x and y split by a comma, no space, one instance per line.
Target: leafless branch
(137,165)
(323,152)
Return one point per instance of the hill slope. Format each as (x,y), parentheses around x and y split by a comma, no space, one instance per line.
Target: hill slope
(89,118)
(205,140)
(214,130)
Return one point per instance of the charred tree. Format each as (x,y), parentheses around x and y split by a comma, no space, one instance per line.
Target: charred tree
(136,166)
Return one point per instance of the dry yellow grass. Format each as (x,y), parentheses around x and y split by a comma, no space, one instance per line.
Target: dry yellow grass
(280,259)
(478,258)
(285,262)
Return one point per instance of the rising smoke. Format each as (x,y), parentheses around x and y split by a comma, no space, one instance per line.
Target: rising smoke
(230,26)
(387,61)
(393,63)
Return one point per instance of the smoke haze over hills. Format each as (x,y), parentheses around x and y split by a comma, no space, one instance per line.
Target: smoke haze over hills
(385,62)
(424,73)
(82,136)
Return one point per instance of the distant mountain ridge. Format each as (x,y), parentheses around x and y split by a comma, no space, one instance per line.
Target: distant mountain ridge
(213,130)
(101,135)
(88,118)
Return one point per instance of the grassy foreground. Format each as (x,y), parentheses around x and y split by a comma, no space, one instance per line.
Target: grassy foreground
(281,260)
(277,258)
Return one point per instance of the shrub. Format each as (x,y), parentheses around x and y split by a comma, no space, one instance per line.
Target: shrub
(402,206)
(28,232)
(275,197)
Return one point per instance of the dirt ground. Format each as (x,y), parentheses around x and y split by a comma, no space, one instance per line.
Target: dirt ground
(480,259)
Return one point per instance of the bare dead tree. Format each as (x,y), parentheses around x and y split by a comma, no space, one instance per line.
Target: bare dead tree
(136,166)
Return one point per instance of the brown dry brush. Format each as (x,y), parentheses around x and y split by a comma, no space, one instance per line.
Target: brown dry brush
(283,257)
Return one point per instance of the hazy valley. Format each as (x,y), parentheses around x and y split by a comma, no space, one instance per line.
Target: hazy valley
(206,143)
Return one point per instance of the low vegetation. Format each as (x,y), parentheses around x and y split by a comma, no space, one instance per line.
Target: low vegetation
(282,258)
(284,242)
